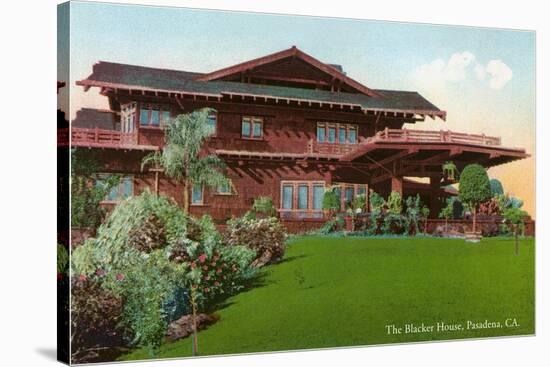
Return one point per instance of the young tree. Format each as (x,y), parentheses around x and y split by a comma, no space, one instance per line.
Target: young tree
(181,157)
(474,188)
(515,217)
(425,213)
(447,212)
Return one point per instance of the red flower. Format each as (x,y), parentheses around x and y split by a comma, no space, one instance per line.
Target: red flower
(59,276)
(216,283)
(82,277)
(120,277)
(218,270)
(100,272)
(202,258)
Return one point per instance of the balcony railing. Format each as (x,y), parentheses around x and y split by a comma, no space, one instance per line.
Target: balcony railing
(438,136)
(405,136)
(329,148)
(101,138)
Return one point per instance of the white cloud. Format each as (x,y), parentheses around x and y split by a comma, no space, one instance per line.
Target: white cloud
(500,74)
(461,66)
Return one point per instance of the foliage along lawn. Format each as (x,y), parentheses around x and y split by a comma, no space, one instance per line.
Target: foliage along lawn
(331,292)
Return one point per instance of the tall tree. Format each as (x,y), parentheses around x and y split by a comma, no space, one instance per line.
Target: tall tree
(182,158)
(474,188)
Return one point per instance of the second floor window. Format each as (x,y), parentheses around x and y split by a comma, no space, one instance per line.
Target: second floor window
(252,127)
(328,132)
(127,117)
(212,122)
(153,115)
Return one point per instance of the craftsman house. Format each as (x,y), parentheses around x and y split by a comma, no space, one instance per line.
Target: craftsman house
(287,125)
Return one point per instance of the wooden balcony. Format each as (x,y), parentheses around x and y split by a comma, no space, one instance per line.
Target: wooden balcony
(429,136)
(101,138)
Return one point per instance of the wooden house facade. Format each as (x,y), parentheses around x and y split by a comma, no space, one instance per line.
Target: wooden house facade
(287,125)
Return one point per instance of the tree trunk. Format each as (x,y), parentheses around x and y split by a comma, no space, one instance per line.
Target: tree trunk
(474,212)
(516,236)
(194,309)
(186,197)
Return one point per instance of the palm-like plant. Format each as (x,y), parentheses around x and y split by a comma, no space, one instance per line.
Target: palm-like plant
(181,157)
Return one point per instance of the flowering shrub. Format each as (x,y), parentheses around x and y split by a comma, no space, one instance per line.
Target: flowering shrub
(265,236)
(213,269)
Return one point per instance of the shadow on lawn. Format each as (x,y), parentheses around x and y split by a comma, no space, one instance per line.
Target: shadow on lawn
(258,281)
(290,259)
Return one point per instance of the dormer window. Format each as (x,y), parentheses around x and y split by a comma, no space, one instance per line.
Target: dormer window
(252,127)
(329,132)
(153,115)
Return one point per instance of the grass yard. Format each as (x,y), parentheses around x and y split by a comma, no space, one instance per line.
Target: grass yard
(331,292)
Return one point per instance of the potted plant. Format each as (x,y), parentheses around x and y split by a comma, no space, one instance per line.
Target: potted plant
(474,189)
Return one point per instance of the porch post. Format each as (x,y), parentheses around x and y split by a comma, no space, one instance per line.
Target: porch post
(397,184)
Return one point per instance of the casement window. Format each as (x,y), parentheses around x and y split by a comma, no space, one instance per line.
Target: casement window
(153,115)
(302,195)
(212,121)
(123,190)
(197,195)
(252,127)
(287,200)
(128,117)
(328,132)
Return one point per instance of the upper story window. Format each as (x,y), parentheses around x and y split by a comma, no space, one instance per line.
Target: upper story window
(128,117)
(212,122)
(154,115)
(328,132)
(123,190)
(252,127)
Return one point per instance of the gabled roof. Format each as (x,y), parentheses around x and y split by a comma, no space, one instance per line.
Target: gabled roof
(176,82)
(291,53)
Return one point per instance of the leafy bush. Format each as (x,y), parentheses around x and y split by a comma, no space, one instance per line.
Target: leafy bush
(394,224)
(334,224)
(395,203)
(86,192)
(496,187)
(264,206)
(95,317)
(377,202)
(265,236)
(131,227)
(62,259)
(331,201)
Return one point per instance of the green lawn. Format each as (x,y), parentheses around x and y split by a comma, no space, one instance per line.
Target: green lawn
(331,292)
